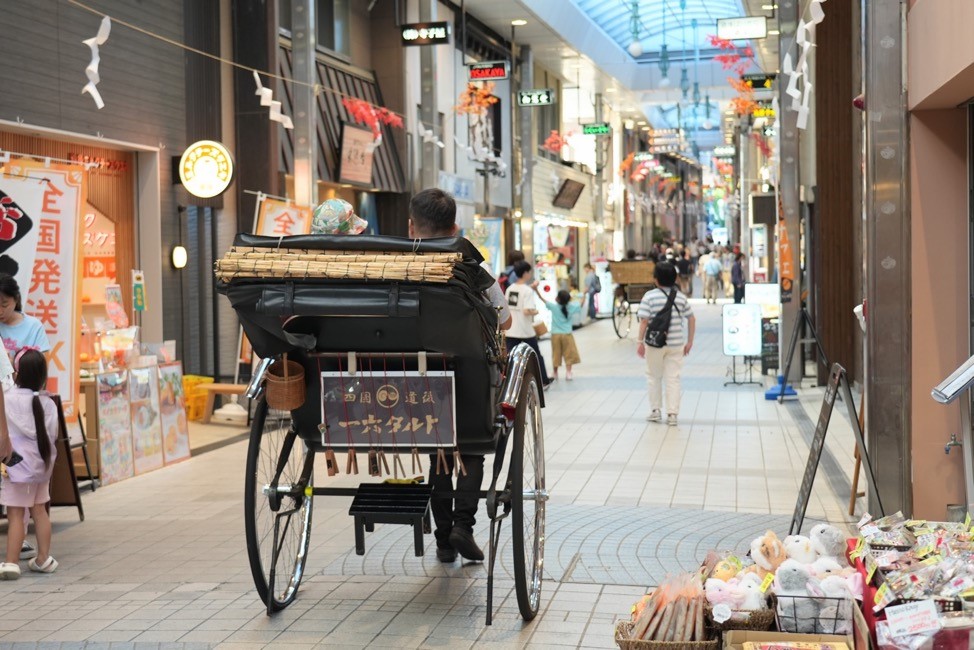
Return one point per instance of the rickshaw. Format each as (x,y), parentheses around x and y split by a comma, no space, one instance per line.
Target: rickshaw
(633,279)
(405,322)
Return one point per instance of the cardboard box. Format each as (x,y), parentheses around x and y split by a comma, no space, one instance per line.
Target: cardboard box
(735,639)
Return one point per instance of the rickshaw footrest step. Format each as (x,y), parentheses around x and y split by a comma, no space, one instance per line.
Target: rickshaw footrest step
(383,503)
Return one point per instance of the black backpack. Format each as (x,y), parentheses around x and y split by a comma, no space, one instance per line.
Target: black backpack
(659,326)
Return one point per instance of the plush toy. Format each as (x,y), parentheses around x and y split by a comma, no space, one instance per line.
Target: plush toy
(725,570)
(828,541)
(797,611)
(719,592)
(768,553)
(835,616)
(825,567)
(799,547)
(754,598)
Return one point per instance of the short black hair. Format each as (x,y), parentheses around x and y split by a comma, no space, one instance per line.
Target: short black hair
(10,288)
(665,274)
(520,268)
(514,257)
(434,212)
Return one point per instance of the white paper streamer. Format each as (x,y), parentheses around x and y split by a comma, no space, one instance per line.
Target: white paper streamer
(818,14)
(429,136)
(267,99)
(92,70)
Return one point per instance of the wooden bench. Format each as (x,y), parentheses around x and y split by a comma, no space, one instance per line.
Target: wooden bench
(212,390)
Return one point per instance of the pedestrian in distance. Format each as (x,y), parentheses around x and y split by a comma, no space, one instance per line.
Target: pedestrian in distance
(737,278)
(664,364)
(32,428)
(711,272)
(507,277)
(521,300)
(593,286)
(685,270)
(563,346)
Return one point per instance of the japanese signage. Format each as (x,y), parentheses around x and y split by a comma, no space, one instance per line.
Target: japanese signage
(911,619)
(725,151)
(488,70)
(172,407)
(743,28)
(425,33)
(539,97)
(759,81)
(146,422)
(21,200)
(206,169)
(742,330)
(114,427)
(596,128)
(138,291)
(282,218)
(461,188)
(786,258)
(763,109)
(392,409)
(99,266)
(664,148)
(52,294)
(356,165)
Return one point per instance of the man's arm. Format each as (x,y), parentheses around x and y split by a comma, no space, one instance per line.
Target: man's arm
(691,330)
(641,348)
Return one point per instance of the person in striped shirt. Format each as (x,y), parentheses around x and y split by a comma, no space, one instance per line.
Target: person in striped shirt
(663,365)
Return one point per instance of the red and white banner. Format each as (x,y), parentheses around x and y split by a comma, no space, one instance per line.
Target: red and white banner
(53,293)
(282,218)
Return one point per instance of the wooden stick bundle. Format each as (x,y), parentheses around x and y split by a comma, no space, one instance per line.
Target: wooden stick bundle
(674,613)
(243,252)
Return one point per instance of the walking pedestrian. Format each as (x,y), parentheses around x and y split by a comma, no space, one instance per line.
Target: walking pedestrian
(563,346)
(507,277)
(737,278)
(711,271)
(663,365)
(685,270)
(593,286)
(32,427)
(521,301)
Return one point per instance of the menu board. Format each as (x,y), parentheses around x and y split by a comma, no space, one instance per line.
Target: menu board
(742,330)
(172,408)
(114,427)
(146,419)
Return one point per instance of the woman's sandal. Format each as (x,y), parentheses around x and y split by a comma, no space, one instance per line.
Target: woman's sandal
(48,567)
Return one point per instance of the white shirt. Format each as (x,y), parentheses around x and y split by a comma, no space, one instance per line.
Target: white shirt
(496,297)
(520,298)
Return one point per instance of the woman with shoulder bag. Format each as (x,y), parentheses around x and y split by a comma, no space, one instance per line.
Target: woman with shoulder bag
(521,301)
(668,342)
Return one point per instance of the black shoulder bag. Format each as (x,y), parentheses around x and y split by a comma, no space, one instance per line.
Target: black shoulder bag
(659,326)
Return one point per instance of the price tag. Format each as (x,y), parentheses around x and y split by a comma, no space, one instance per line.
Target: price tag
(882,598)
(967,520)
(913,618)
(871,567)
(766,584)
(857,551)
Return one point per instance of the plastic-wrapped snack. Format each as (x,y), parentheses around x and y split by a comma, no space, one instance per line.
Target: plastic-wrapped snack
(336,217)
(890,522)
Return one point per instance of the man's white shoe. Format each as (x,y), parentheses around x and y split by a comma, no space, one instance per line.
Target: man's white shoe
(671,420)
(655,416)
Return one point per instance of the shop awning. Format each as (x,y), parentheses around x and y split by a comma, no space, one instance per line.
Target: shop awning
(387,172)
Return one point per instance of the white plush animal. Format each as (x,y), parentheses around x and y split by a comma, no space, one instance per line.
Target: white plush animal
(835,616)
(719,592)
(828,541)
(799,547)
(754,598)
(797,611)
(825,567)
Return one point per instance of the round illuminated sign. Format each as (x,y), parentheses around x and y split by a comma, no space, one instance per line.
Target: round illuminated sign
(206,169)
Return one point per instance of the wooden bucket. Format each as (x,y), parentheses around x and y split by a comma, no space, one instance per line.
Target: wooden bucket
(285,385)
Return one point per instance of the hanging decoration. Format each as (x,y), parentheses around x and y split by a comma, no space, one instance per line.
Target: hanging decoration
(91,71)
(429,136)
(798,72)
(744,104)
(474,102)
(371,116)
(626,164)
(476,98)
(761,142)
(267,99)
(555,142)
(732,57)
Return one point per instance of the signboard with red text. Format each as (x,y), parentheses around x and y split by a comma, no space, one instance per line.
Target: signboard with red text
(488,71)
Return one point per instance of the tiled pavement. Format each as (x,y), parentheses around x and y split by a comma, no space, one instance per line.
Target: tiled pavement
(160,559)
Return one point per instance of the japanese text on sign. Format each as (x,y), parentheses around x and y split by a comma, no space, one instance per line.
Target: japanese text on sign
(282,218)
(391,409)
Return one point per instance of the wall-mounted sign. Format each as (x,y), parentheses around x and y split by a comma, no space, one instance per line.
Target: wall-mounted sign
(725,151)
(597,128)
(665,148)
(537,97)
(744,28)
(763,109)
(425,33)
(138,290)
(643,156)
(488,71)
(356,165)
(759,81)
(206,169)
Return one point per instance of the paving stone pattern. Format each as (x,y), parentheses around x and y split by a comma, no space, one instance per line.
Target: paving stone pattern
(160,561)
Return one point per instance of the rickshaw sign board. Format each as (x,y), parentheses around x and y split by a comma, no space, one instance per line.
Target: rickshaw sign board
(398,409)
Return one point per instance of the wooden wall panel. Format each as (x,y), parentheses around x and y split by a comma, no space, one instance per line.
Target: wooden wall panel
(110,190)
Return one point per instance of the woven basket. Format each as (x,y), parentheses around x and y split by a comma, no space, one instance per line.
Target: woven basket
(760,620)
(285,385)
(632,272)
(625,641)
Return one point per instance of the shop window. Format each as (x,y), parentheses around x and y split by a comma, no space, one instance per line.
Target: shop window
(333,18)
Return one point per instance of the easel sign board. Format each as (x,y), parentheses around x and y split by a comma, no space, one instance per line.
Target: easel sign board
(837,381)
(64,482)
(742,330)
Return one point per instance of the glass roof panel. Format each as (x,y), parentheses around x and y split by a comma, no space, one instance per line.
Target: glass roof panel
(660,21)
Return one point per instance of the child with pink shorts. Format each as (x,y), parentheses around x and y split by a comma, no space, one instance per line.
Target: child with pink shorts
(32,427)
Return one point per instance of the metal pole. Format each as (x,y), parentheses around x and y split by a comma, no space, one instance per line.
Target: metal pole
(789,216)
(429,172)
(303,50)
(887,200)
(600,145)
(527,153)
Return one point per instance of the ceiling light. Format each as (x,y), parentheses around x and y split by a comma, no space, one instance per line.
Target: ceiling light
(664,82)
(769,7)
(519,22)
(645,128)
(641,122)
(636,49)
(773,32)
(610,90)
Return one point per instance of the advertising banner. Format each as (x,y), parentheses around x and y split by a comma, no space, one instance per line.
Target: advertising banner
(20,209)
(146,419)
(282,218)
(172,406)
(114,427)
(53,293)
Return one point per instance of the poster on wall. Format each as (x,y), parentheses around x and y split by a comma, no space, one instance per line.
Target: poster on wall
(53,293)
(356,165)
(99,265)
(146,419)
(282,218)
(487,236)
(114,427)
(20,209)
(172,409)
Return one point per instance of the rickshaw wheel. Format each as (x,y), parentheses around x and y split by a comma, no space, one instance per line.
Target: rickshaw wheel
(529,499)
(276,451)
(621,316)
